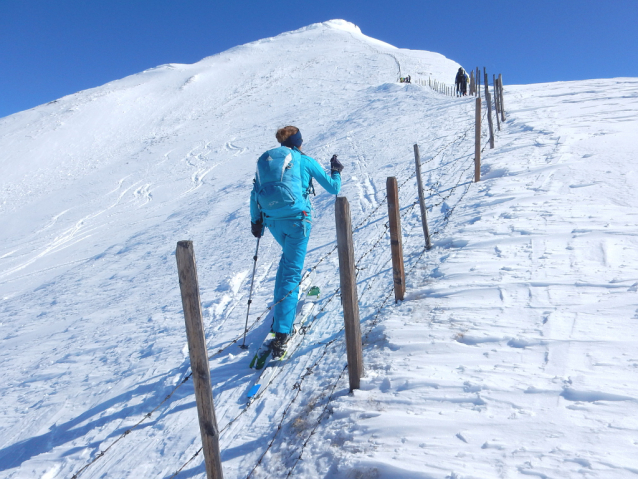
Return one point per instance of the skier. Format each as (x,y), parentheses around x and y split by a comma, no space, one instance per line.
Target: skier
(280,201)
(461,82)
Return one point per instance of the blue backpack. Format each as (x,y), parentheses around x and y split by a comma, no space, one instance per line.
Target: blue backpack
(278,185)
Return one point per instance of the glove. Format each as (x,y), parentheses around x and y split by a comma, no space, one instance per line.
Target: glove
(257,229)
(335,165)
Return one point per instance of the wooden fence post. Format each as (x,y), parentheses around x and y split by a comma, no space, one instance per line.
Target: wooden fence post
(419,183)
(472,83)
(396,243)
(191,303)
(500,87)
(478,82)
(495,88)
(488,100)
(496,106)
(477,140)
(349,297)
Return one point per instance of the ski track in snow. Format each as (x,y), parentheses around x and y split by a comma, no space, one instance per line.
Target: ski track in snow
(511,356)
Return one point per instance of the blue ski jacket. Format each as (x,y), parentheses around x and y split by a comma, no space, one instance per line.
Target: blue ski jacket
(310,168)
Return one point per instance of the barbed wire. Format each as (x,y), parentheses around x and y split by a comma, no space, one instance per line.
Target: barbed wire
(304,331)
(375,320)
(297,385)
(371,325)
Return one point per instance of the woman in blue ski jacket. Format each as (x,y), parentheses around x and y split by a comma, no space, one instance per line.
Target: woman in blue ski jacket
(280,201)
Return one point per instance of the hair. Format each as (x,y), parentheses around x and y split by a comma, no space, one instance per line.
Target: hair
(286,132)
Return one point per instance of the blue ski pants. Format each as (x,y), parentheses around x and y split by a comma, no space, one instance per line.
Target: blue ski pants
(292,236)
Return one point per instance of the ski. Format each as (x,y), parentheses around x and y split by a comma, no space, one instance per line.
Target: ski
(262,354)
(270,365)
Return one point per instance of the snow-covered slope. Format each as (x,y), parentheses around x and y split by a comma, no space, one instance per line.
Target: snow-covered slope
(513,354)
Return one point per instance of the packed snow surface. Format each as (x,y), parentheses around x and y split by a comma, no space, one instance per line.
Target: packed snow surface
(513,354)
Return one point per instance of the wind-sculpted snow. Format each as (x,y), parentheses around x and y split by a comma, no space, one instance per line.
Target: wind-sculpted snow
(513,354)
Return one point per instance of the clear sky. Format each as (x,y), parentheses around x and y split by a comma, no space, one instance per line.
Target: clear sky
(52,48)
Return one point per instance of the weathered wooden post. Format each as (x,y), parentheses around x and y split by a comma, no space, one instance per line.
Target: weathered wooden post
(477,140)
(419,183)
(488,100)
(478,82)
(472,83)
(495,87)
(349,298)
(189,288)
(396,244)
(500,87)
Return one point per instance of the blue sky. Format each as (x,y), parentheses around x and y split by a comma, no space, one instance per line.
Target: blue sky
(49,49)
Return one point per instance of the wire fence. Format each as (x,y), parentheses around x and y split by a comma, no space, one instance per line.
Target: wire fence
(433,191)
(370,326)
(375,320)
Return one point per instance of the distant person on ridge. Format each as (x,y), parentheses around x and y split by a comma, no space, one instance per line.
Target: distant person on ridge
(280,200)
(461,82)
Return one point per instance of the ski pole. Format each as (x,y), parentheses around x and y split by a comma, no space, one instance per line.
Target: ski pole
(250,296)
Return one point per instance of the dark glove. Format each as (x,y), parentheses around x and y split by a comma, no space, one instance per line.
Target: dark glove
(257,229)
(335,165)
